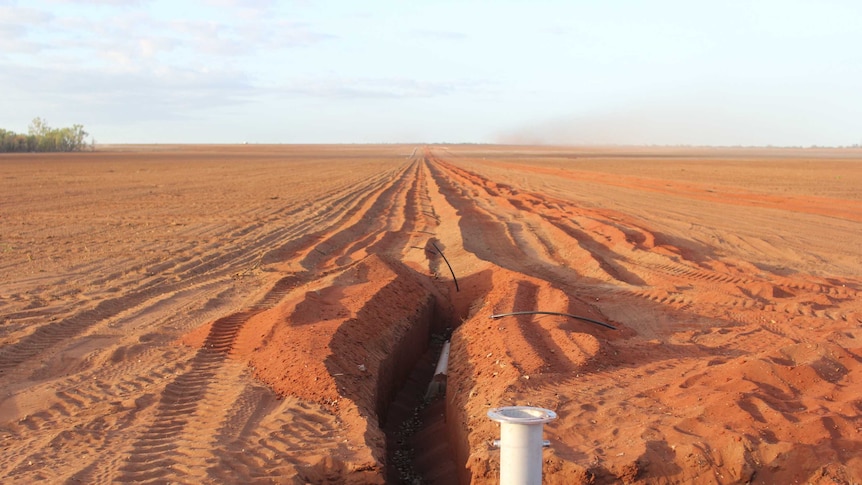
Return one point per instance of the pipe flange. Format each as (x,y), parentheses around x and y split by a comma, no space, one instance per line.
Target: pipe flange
(521,415)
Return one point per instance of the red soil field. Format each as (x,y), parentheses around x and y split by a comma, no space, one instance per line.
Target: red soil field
(269,314)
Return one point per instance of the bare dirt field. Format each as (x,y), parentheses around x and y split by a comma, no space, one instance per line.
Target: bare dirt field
(270,314)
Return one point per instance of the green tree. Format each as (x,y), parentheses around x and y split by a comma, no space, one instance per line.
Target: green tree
(39,127)
(43,138)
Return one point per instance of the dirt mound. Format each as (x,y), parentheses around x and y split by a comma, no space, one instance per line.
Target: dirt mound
(345,341)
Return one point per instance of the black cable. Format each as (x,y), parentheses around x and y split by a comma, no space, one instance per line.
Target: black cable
(597,322)
(449,265)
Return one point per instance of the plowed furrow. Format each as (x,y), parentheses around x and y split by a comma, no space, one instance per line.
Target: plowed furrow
(183,397)
(542,352)
(367,218)
(306,234)
(604,257)
(493,234)
(483,235)
(52,334)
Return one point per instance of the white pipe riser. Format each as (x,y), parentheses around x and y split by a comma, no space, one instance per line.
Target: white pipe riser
(521,443)
(520,454)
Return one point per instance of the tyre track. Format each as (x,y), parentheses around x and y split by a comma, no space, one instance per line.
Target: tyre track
(180,408)
(621,254)
(218,265)
(50,335)
(166,419)
(182,400)
(545,264)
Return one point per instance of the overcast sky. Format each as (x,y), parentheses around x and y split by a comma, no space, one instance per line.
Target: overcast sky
(629,72)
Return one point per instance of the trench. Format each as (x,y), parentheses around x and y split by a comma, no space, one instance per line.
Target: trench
(417,444)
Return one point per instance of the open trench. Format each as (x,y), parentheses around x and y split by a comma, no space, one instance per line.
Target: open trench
(414,421)
(380,272)
(379,294)
(374,289)
(427,440)
(417,442)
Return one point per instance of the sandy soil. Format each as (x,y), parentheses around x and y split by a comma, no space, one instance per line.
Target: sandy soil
(226,314)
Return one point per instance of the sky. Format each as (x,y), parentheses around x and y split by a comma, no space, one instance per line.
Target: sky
(663,72)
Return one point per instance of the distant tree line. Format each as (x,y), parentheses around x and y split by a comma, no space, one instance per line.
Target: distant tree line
(43,138)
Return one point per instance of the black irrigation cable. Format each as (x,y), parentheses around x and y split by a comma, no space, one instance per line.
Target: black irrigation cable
(597,322)
(449,265)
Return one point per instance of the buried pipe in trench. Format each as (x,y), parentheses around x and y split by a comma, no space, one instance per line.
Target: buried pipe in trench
(443,362)
(418,448)
(437,386)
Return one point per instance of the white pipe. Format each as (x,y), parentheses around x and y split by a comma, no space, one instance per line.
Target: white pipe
(521,443)
(443,363)
(545,443)
(437,386)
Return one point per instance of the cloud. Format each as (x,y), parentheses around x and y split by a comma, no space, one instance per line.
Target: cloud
(19,21)
(16,25)
(167,93)
(280,33)
(20,16)
(243,38)
(137,66)
(375,88)
(13,44)
(441,34)
(135,38)
(250,4)
(150,47)
(126,96)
